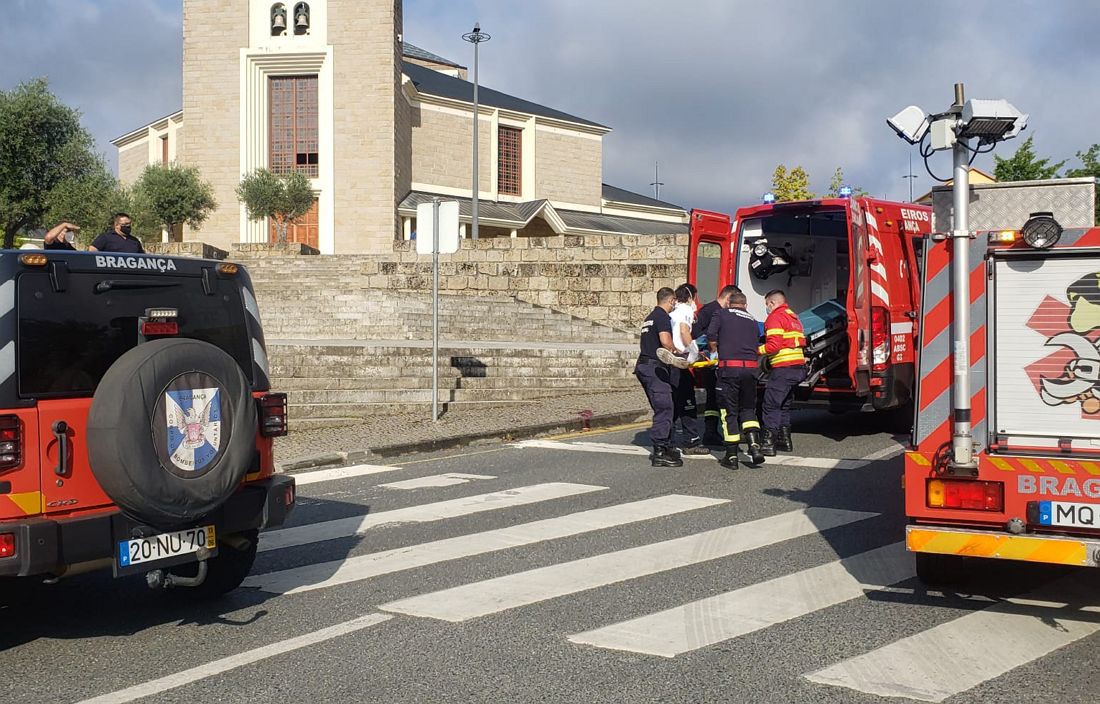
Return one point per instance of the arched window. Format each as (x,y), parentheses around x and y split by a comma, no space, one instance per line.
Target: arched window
(278,20)
(301,18)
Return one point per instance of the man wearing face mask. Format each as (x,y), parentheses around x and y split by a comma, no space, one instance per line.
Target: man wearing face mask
(118,239)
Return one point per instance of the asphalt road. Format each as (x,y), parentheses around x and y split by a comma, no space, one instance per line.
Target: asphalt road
(570,571)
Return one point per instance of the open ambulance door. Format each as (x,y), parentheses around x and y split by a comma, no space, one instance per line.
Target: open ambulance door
(859,302)
(710,257)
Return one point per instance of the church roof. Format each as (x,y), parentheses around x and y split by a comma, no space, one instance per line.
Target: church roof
(439,84)
(414,52)
(621,195)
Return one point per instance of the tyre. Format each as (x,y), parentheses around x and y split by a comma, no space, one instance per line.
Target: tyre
(236,554)
(936,570)
(171,431)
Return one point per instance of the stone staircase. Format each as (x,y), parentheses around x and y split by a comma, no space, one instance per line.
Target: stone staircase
(345,352)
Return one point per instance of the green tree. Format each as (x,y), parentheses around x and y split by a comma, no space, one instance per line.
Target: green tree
(43,151)
(837,181)
(283,198)
(88,201)
(172,194)
(1024,165)
(794,185)
(1090,167)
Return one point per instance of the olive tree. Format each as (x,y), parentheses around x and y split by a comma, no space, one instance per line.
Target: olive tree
(284,198)
(173,194)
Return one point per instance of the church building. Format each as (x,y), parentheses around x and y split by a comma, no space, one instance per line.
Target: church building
(330,88)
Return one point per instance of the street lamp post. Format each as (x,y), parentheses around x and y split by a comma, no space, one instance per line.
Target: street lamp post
(475,37)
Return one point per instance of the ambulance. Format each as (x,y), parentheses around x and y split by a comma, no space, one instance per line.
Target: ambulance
(1032,490)
(849,267)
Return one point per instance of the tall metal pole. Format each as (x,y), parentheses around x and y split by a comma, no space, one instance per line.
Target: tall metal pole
(910,177)
(962,440)
(475,37)
(435,309)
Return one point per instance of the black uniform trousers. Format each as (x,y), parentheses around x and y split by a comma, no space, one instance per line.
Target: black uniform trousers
(778,395)
(708,379)
(737,393)
(656,380)
(683,398)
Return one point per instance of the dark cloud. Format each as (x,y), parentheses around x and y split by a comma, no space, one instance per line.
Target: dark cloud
(719,91)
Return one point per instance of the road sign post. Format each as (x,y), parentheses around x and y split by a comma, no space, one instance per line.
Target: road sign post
(442,219)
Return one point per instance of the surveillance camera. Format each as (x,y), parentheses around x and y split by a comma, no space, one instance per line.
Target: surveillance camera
(910,124)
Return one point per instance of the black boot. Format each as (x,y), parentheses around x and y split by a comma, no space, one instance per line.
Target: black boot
(752,439)
(711,436)
(663,458)
(729,460)
(767,443)
(783,442)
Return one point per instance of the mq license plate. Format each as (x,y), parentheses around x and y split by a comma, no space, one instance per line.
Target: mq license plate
(1067,514)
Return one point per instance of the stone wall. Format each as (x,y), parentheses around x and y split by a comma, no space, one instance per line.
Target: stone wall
(132,161)
(442,142)
(603,278)
(568,167)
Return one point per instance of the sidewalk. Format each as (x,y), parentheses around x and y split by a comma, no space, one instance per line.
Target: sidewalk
(400,434)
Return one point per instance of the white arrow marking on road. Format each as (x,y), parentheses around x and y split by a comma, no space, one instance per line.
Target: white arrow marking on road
(249,657)
(961,654)
(496,595)
(357,525)
(615,449)
(327,475)
(436,481)
(320,576)
(720,618)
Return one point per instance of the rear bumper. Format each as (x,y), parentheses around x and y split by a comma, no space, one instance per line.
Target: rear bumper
(46,546)
(1047,549)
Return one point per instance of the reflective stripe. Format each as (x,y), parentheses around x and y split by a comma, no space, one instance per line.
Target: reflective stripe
(775,331)
(918,458)
(1057,551)
(725,434)
(750,424)
(788,355)
(711,414)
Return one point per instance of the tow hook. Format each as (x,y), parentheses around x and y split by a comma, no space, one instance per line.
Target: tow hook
(163,579)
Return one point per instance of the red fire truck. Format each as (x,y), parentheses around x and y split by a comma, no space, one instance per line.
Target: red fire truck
(849,268)
(1031,490)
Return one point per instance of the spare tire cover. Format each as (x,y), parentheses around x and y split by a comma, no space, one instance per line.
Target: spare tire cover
(171,431)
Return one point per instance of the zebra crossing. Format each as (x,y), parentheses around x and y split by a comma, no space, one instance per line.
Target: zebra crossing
(953,655)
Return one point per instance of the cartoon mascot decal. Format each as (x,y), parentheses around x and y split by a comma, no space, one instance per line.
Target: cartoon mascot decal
(1079,381)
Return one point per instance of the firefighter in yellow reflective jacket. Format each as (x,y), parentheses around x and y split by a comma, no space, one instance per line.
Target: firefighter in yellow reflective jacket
(784,341)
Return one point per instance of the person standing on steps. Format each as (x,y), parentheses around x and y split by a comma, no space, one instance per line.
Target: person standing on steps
(708,376)
(734,334)
(784,340)
(656,359)
(683,382)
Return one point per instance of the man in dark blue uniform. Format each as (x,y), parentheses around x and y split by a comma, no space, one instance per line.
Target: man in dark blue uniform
(708,376)
(654,373)
(735,335)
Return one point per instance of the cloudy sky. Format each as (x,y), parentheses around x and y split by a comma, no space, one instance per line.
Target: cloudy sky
(717,91)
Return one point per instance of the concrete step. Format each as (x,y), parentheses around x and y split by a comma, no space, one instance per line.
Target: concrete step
(334,398)
(333,384)
(306,413)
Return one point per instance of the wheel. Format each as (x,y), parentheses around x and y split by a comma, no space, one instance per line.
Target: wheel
(236,553)
(940,570)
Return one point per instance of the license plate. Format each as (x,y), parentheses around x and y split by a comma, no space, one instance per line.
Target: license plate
(165,545)
(1069,514)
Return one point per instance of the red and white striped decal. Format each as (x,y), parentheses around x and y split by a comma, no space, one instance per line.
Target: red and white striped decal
(880,287)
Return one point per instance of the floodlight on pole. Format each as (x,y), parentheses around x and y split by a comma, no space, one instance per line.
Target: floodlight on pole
(989,122)
(475,37)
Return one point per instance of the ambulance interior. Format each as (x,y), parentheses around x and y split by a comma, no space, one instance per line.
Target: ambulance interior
(807,255)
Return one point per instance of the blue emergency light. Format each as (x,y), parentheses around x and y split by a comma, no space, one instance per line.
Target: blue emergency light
(769,197)
(845,191)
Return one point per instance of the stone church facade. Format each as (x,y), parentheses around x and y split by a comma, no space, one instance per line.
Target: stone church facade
(329,87)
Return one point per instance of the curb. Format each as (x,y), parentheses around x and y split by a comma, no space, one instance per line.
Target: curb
(332,459)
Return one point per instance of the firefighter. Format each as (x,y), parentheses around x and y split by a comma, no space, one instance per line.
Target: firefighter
(655,375)
(734,334)
(784,341)
(707,376)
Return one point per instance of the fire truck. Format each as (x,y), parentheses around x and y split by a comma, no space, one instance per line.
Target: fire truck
(849,268)
(1027,486)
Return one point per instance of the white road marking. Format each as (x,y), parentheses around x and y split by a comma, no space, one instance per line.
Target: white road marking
(436,481)
(233,662)
(496,595)
(885,453)
(328,475)
(953,657)
(736,613)
(616,449)
(357,525)
(320,576)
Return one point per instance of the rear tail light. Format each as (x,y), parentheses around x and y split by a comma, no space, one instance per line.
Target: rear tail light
(7,545)
(273,415)
(151,329)
(966,495)
(11,442)
(880,338)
